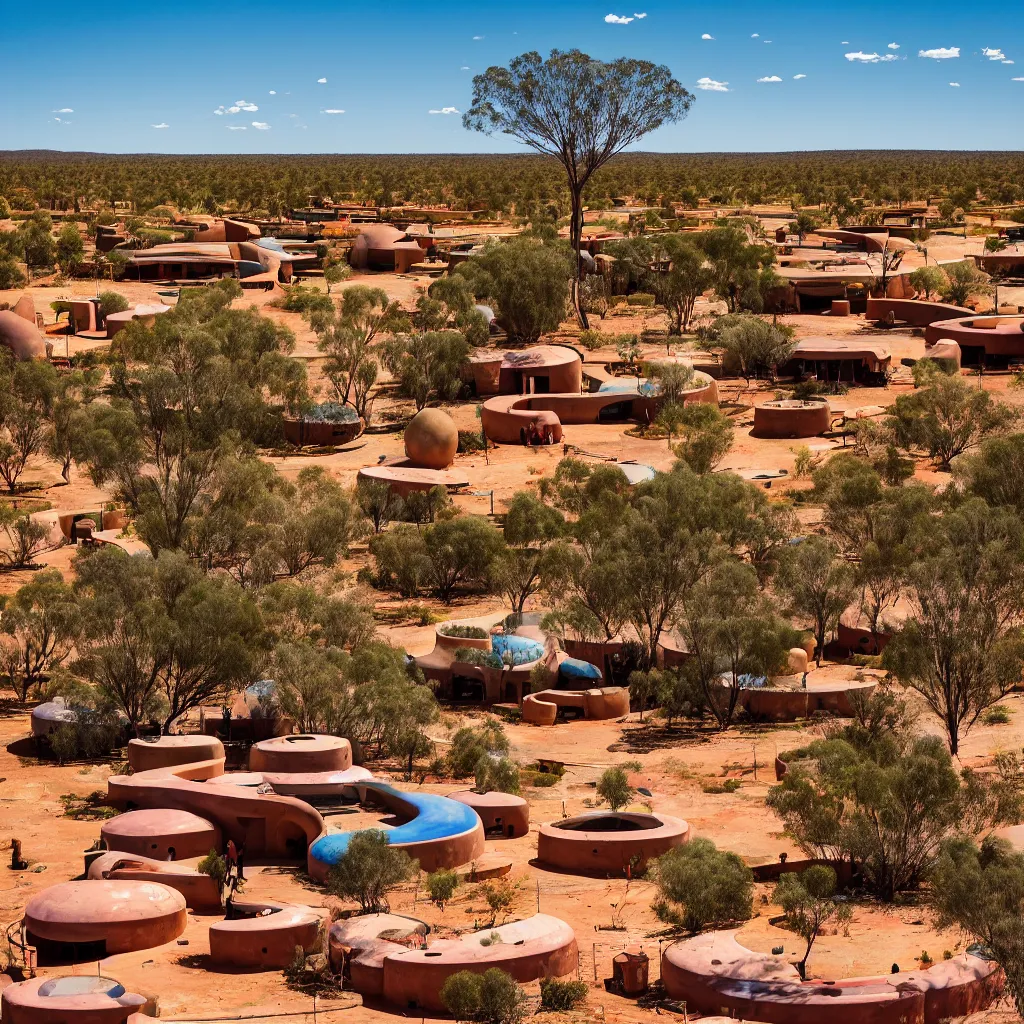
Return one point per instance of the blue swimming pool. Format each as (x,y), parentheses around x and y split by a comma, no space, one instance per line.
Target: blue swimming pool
(437,817)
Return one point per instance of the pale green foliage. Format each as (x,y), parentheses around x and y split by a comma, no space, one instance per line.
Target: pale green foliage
(711,886)
(493,997)
(441,886)
(369,869)
(809,902)
(613,787)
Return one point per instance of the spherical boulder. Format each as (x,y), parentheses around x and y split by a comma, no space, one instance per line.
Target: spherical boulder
(797,660)
(431,439)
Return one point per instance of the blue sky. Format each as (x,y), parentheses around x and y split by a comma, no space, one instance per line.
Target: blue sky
(335,76)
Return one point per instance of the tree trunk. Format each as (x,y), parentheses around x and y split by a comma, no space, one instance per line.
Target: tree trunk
(575,238)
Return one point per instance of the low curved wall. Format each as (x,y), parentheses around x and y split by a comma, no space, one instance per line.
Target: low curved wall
(713,973)
(166,751)
(995,335)
(791,419)
(538,947)
(438,832)
(789,705)
(503,418)
(79,999)
(301,753)
(866,241)
(605,702)
(601,852)
(161,834)
(503,814)
(264,940)
(125,915)
(201,892)
(916,312)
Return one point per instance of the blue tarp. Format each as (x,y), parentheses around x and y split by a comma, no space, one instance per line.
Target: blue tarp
(574,668)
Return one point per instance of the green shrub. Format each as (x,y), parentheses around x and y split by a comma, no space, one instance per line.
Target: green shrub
(711,886)
(112,302)
(470,441)
(998,714)
(725,786)
(644,299)
(592,340)
(497,775)
(214,865)
(490,998)
(465,632)
(562,995)
(441,886)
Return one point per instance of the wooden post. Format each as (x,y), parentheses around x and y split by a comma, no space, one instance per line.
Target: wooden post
(594,952)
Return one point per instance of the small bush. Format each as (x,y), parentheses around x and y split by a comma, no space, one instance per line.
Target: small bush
(441,886)
(643,299)
(998,714)
(470,441)
(711,886)
(490,998)
(593,340)
(725,786)
(214,865)
(614,788)
(500,895)
(465,632)
(497,775)
(562,995)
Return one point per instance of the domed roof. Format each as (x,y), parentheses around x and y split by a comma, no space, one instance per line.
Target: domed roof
(21,336)
(431,439)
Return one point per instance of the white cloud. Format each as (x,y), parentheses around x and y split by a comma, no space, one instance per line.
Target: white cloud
(955,85)
(321,81)
(162,124)
(1017,79)
(273,92)
(64,110)
(940,53)
(770,78)
(870,58)
(641,15)
(465,67)
(845,42)
(1007,61)
(755,35)
(767,41)
(992,53)
(710,85)
(616,19)
(707,35)
(261,126)
(445,110)
(476,39)
(796,78)
(329,110)
(236,127)
(237,107)
(894,46)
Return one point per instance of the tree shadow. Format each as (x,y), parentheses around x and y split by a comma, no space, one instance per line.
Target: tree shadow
(642,739)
